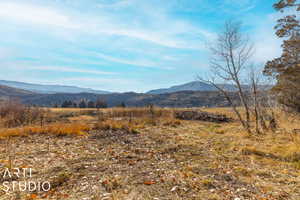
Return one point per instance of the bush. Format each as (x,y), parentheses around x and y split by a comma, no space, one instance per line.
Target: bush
(13,114)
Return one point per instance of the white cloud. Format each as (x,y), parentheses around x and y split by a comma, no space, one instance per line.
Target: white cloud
(162,30)
(267,44)
(154,37)
(6,53)
(243,4)
(68,69)
(134,62)
(27,66)
(267,48)
(238,6)
(128,32)
(109,84)
(102,80)
(35,15)
(115,4)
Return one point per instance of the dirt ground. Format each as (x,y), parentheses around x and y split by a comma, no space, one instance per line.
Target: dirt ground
(192,160)
(186,160)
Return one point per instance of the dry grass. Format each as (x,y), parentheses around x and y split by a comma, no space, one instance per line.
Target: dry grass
(59,129)
(132,112)
(129,154)
(134,120)
(128,119)
(147,112)
(72,109)
(113,125)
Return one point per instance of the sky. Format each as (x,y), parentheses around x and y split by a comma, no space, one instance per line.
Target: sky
(123,45)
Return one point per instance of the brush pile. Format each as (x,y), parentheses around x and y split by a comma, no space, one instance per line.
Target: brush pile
(202,116)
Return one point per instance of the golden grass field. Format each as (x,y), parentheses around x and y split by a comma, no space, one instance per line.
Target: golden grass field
(127,153)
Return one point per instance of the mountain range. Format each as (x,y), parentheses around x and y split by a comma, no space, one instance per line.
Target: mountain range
(194,94)
(53,89)
(49,89)
(176,99)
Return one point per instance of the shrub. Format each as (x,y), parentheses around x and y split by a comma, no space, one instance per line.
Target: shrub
(13,114)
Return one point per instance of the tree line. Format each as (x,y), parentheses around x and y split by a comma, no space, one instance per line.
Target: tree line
(83,103)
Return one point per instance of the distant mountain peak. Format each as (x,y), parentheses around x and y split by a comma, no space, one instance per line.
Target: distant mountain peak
(192,86)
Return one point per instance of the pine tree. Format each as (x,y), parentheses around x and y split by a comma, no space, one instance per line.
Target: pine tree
(74,105)
(82,104)
(66,104)
(286,69)
(122,105)
(91,104)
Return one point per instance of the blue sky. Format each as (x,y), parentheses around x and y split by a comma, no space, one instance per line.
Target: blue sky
(123,45)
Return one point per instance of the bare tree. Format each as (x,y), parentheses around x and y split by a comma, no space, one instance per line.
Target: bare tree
(259,99)
(262,101)
(231,53)
(254,79)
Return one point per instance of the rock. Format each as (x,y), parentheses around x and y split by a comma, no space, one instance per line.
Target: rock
(174,188)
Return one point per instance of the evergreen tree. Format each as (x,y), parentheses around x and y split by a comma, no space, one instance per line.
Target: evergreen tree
(122,105)
(286,68)
(66,104)
(74,105)
(91,104)
(82,104)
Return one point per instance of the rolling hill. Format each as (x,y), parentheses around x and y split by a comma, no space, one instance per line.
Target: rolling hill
(177,99)
(49,89)
(191,86)
(185,98)
(6,91)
